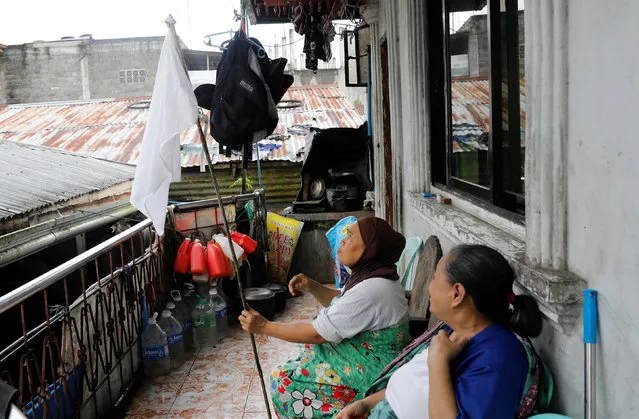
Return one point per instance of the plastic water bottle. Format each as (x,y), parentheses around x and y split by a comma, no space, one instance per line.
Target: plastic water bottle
(155,350)
(219,304)
(171,307)
(171,327)
(190,297)
(182,314)
(204,327)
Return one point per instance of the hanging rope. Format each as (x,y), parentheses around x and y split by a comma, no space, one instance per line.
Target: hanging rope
(259,169)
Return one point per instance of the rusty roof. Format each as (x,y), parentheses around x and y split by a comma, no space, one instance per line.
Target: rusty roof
(33,177)
(471,112)
(112,129)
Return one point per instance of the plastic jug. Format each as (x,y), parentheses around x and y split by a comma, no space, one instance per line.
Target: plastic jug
(171,307)
(221,315)
(182,313)
(190,297)
(198,259)
(227,261)
(204,327)
(174,338)
(223,241)
(218,263)
(248,244)
(155,350)
(182,263)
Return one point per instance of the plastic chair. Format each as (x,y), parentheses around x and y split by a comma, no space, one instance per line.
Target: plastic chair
(408,261)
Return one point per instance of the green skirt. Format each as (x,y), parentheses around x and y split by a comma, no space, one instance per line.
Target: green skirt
(326,377)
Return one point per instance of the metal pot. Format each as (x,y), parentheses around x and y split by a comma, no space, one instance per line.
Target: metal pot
(344,197)
(281,292)
(261,300)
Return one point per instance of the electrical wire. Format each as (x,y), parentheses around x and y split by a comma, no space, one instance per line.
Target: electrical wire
(284,45)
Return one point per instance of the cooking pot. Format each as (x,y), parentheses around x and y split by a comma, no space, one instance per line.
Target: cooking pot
(281,292)
(261,300)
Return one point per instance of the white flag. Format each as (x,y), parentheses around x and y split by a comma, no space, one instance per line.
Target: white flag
(173,109)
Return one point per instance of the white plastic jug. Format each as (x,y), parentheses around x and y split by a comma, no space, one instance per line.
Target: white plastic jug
(223,241)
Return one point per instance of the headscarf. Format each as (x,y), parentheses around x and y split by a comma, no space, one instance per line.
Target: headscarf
(383,248)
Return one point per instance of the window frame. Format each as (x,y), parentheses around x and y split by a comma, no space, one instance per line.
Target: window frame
(360,81)
(496,195)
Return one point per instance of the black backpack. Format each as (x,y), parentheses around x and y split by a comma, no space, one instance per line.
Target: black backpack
(241,103)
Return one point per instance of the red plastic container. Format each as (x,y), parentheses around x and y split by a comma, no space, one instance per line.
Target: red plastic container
(198,259)
(218,264)
(182,263)
(248,244)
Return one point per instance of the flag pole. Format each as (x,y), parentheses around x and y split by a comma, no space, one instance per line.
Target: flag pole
(234,260)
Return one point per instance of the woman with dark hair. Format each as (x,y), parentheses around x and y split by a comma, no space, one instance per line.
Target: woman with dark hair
(477,363)
(360,330)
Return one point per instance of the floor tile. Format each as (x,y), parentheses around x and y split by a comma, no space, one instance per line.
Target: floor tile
(258,415)
(221,382)
(154,400)
(146,414)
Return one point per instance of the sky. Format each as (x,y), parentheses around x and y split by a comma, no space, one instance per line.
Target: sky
(48,20)
(25,21)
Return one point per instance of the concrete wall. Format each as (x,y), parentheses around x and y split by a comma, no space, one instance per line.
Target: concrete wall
(78,69)
(603,231)
(323,77)
(41,72)
(108,58)
(83,69)
(596,196)
(478,63)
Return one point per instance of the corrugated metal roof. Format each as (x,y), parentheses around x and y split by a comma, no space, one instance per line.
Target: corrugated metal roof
(33,177)
(471,112)
(281,183)
(321,107)
(109,129)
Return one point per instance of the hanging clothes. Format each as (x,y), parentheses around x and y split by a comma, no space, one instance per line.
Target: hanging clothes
(318,32)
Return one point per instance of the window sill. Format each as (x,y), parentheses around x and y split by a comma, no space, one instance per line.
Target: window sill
(485,211)
(558,293)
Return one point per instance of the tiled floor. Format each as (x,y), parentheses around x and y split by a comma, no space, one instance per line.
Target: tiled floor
(222,381)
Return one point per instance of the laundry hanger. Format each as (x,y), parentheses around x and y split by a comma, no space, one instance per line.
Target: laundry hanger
(261,53)
(222,46)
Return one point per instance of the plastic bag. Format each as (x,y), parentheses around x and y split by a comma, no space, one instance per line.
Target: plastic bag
(335,236)
(283,235)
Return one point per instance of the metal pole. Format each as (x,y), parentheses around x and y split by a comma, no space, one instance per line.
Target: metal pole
(234,262)
(590,341)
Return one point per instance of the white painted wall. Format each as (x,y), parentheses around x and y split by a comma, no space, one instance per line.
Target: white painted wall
(603,201)
(603,193)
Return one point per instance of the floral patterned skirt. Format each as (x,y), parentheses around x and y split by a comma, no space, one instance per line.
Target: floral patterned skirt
(324,378)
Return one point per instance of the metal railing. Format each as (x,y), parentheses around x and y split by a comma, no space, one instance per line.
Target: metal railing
(84,356)
(71,336)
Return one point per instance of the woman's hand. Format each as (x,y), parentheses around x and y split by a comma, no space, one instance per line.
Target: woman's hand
(299,284)
(444,348)
(252,321)
(359,409)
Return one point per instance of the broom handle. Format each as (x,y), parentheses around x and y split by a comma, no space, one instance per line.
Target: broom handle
(236,268)
(590,349)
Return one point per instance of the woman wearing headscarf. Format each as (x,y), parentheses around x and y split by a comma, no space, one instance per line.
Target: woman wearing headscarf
(361,329)
(478,362)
